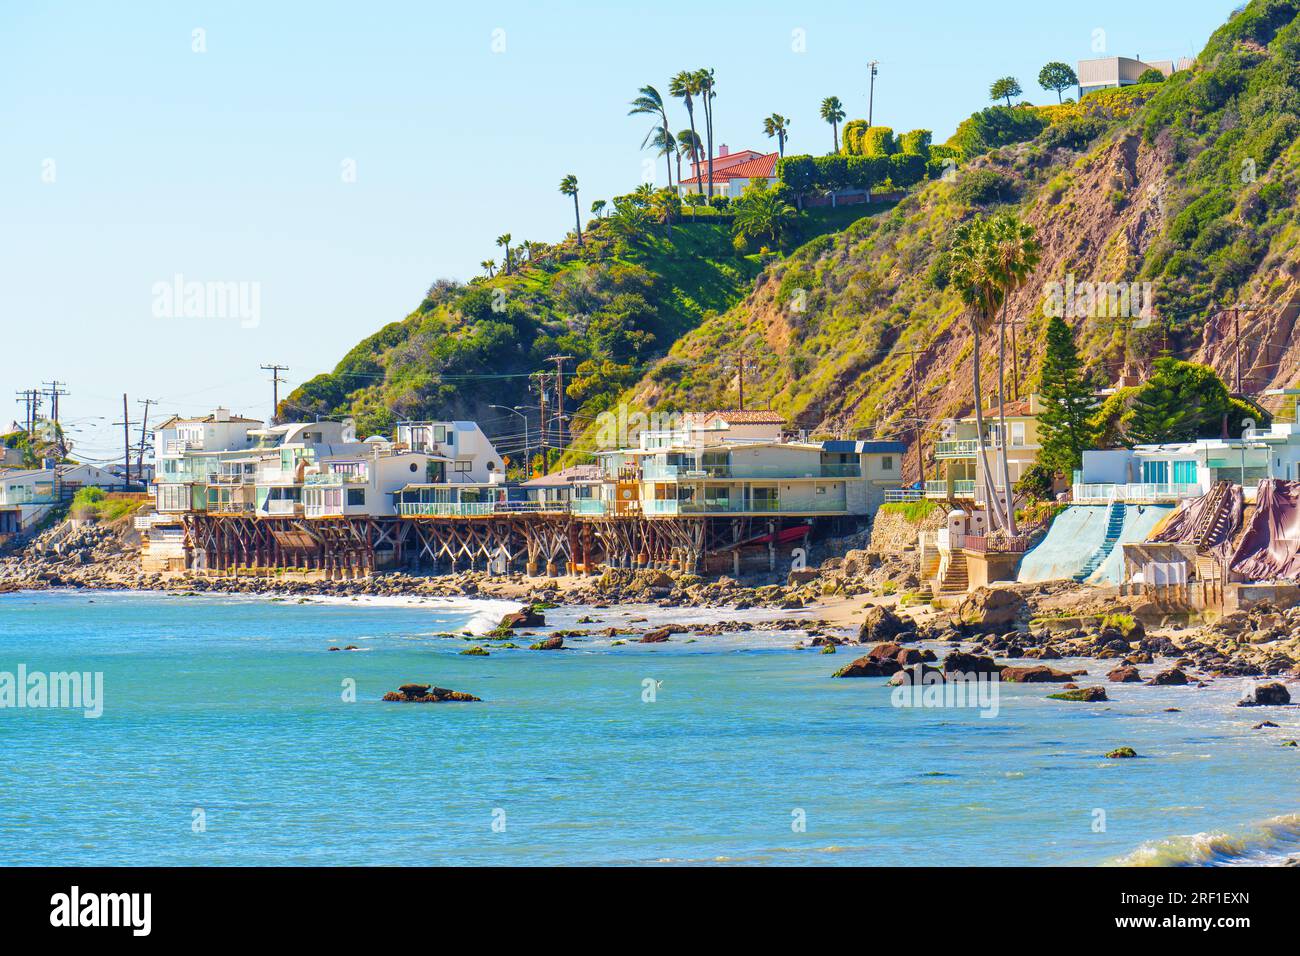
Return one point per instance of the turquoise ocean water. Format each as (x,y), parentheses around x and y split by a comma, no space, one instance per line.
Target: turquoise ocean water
(231,710)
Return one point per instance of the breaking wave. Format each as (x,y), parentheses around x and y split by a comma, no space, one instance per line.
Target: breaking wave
(1269,843)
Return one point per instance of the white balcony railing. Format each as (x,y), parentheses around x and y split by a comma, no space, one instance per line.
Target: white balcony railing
(1141,491)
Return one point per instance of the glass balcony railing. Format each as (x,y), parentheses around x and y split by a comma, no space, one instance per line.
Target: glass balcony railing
(963,448)
(656,472)
(960,488)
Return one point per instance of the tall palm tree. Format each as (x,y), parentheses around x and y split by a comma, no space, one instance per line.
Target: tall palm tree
(690,144)
(527,247)
(1015,252)
(708,90)
(833,113)
(778,126)
(650,102)
(973,273)
(489,266)
(665,144)
(569,187)
(686,86)
(504,240)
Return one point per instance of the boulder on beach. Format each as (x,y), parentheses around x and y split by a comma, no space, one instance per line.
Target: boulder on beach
(991,611)
(553,643)
(1124,675)
(882,624)
(658,636)
(1086,695)
(1267,695)
(427,694)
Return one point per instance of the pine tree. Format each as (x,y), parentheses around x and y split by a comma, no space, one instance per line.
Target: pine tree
(1181,401)
(1064,425)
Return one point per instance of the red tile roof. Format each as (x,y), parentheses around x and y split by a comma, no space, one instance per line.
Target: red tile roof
(749,416)
(760,167)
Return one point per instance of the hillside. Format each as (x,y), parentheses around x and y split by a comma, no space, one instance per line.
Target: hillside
(1190,186)
(1184,188)
(614,304)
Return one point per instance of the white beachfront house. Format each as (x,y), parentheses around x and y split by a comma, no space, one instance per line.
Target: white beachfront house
(470,456)
(361,485)
(1171,472)
(27,495)
(741,463)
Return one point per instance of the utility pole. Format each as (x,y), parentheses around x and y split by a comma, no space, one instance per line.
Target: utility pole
(559,361)
(1236,311)
(144,431)
(742,361)
(31,399)
(871,97)
(54,390)
(541,391)
(275,371)
(126,441)
(916,421)
(1015,360)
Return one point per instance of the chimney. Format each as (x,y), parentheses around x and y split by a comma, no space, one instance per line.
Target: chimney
(221,415)
(722,150)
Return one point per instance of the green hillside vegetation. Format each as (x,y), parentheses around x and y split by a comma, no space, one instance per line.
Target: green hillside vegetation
(1218,146)
(614,303)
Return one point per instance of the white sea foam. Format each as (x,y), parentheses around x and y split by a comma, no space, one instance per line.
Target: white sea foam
(1269,843)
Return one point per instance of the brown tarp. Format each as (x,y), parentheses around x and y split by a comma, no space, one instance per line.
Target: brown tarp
(1181,528)
(1270,548)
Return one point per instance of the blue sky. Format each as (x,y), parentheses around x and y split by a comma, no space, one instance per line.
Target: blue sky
(128,158)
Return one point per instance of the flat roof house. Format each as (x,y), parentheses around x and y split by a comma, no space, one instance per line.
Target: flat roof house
(1115,71)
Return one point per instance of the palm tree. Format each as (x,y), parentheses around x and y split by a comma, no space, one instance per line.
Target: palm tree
(777,125)
(504,240)
(665,206)
(665,144)
(972,273)
(708,90)
(690,144)
(649,101)
(833,113)
(527,247)
(762,213)
(569,187)
(686,86)
(598,207)
(1015,253)
(489,266)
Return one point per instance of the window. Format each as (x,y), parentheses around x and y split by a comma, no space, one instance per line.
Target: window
(1017,434)
(887,463)
(1184,472)
(356,497)
(1155,472)
(463,466)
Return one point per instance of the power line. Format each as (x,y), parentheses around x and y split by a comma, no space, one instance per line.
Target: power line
(275,371)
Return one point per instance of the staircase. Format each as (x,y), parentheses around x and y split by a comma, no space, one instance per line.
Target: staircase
(1114,526)
(954,580)
(1212,524)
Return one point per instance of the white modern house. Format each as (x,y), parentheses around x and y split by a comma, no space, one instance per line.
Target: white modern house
(471,457)
(1171,472)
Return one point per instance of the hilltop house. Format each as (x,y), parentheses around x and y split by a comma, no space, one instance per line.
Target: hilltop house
(732,172)
(1115,71)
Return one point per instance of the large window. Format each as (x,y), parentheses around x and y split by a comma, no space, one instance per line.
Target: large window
(1184,472)
(1155,472)
(356,497)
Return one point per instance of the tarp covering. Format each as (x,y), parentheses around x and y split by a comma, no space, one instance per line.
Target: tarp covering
(1078,533)
(1270,548)
(1181,528)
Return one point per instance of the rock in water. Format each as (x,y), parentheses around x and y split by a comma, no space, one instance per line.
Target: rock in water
(1122,752)
(882,624)
(427,694)
(1086,695)
(1034,675)
(868,667)
(528,617)
(552,643)
(992,611)
(1268,695)
(959,662)
(658,636)
(1170,678)
(1124,675)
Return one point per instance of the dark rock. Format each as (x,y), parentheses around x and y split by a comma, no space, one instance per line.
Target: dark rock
(1119,752)
(553,643)
(1039,674)
(1124,675)
(657,636)
(1267,695)
(961,662)
(882,624)
(991,611)
(426,694)
(1170,678)
(1261,725)
(868,667)
(1084,694)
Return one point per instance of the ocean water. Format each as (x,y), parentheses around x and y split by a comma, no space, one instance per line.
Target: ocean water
(231,711)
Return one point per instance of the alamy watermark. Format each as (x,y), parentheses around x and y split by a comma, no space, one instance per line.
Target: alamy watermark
(65,690)
(933,688)
(1105,300)
(621,427)
(183,298)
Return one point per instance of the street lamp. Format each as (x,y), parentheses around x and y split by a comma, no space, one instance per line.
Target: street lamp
(527,443)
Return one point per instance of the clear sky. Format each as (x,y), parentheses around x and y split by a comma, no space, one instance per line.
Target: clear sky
(337,157)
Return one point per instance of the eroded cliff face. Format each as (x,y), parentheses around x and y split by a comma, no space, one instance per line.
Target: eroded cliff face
(830,334)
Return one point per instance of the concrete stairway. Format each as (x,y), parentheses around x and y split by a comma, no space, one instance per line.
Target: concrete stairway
(1114,527)
(955,580)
